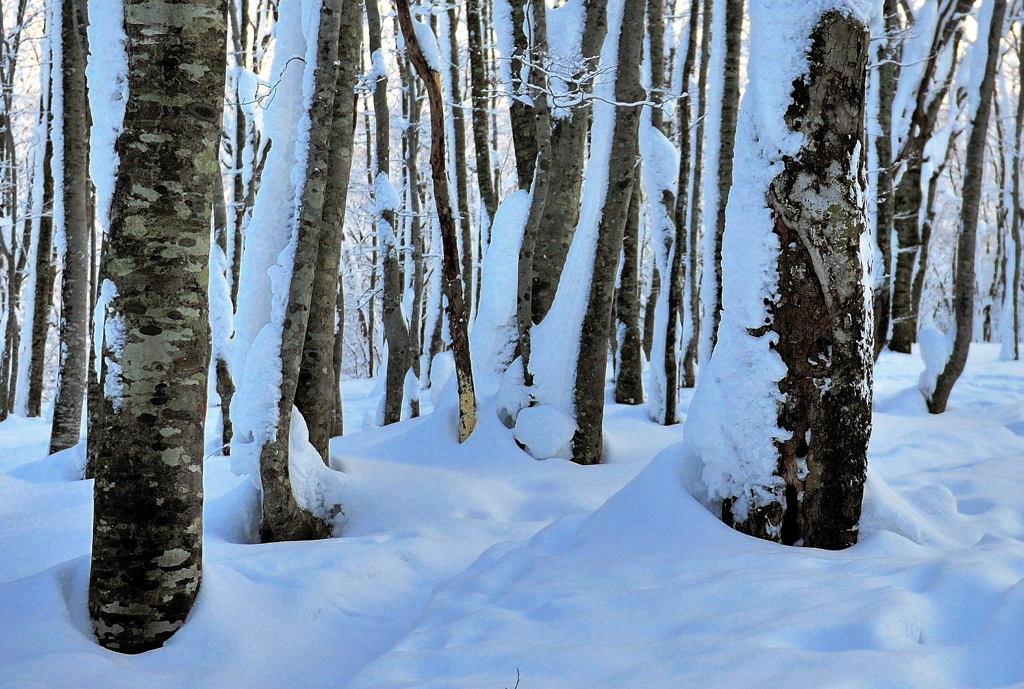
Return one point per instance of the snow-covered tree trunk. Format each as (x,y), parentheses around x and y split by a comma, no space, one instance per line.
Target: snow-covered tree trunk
(779,425)
(317,392)
(568,144)
(283,518)
(148,502)
(940,376)
(478,90)
(73,221)
(726,37)
(457,152)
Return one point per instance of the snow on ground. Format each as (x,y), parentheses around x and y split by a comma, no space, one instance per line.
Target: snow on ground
(463,565)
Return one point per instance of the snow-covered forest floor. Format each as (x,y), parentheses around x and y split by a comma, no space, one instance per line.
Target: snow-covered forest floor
(463,565)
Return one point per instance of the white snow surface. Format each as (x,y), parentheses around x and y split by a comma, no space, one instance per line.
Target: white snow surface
(463,564)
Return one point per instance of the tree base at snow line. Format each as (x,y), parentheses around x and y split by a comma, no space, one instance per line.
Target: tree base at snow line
(820,311)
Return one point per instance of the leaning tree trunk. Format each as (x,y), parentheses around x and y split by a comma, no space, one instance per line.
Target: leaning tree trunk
(148,501)
(458,314)
(74,224)
(963,277)
(317,393)
(785,452)
(591,362)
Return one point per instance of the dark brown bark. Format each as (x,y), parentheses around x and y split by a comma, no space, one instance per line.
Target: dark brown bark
(820,312)
(148,500)
(963,277)
(524,136)
(43,290)
(592,360)
(458,314)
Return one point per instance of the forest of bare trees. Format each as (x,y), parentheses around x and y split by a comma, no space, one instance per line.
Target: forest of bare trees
(509,214)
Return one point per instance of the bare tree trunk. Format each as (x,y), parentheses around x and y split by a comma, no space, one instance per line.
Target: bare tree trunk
(458,314)
(43,290)
(478,89)
(317,392)
(396,332)
(458,151)
(1015,222)
(697,199)
(629,388)
(75,224)
(524,137)
(888,75)
(591,362)
(147,530)
(963,278)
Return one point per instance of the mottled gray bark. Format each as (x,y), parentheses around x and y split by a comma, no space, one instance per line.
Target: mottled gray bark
(820,313)
(964,275)
(74,320)
(317,392)
(283,519)
(592,361)
(568,144)
(1015,198)
(524,137)
(148,500)
(629,387)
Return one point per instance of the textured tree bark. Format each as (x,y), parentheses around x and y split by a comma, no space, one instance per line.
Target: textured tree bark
(820,313)
(396,332)
(649,309)
(524,138)
(317,392)
(478,90)
(414,255)
(539,189)
(888,75)
(592,360)
(43,291)
(458,315)
(568,144)
(629,388)
(74,321)
(1015,221)
(689,374)
(459,153)
(726,145)
(283,519)
(963,276)
(147,530)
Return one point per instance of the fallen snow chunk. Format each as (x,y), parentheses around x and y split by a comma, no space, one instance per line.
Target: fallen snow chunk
(545,431)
